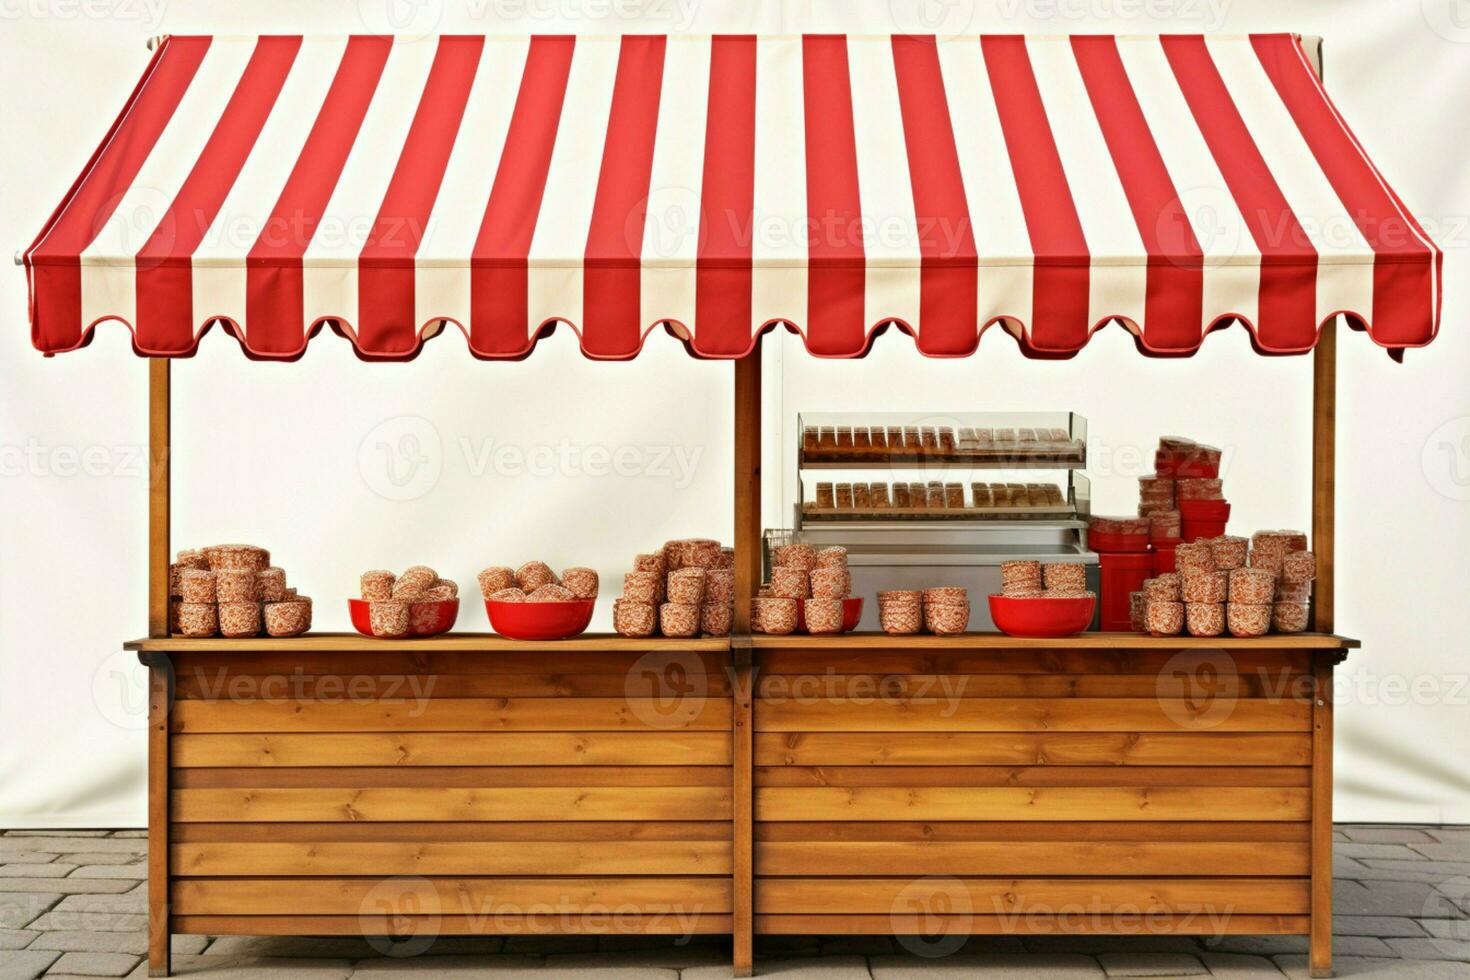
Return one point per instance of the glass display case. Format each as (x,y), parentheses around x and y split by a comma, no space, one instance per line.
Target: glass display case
(923,499)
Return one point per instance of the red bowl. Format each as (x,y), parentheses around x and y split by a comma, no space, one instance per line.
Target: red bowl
(852,611)
(1041,617)
(539,620)
(424,619)
(1204,510)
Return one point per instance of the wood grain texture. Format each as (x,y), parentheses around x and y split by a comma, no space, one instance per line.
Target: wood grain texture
(465,777)
(1034,714)
(451,896)
(159,822)
(527,803)
(453,831)
(467,642)
(1324,477)
(1320,953)
(626,922)
(1031,748)
(742,835)
(1139,776)
(432,749)
(1014,803)
(219,682)
(910,859)
(477,858)
(160,450)
(934,923)
(1063,831)
(839,683)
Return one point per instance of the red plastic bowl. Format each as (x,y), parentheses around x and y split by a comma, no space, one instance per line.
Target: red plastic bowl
(852,611)
(424,619)
(1041,617)
(539,620)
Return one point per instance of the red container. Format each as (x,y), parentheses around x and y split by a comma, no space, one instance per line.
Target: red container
(1105,542)
(1204,510)
(1194,530)
(539,620)
(1041,617)
(422,621)
(1122,575)
(1184,465)
(1163,561)
(852,611)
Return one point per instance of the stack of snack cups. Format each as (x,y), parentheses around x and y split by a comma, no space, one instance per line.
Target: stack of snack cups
(946,610)
(1252,591)
(900,612)
(1164,611)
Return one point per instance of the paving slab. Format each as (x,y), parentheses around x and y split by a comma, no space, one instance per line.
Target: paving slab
(1381,926)
(91,941)
(1401,852)
(16,938)
(10,852)
(104,857)
(76,845)
(304,947)
(18,909)
(1022,966)
(252,968)
(92,921)
(133,832)
(1240,966)
(26,964)
(48,869)
(1385,834)
(1382,898)
(68,886)
(132,901)
(833,968)
(1344,967)
(667,958)
(1093,945)
(1152,965)
(1431,869)
(1431,949)
(1447,928)
(499,967)
(1256,945)
(1454,851)
(1450,835)
(94,965)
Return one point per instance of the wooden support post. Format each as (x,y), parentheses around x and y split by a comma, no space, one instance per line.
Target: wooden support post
(158,499)
(160,674)
(1324,466)
(1321,861)
(747,580)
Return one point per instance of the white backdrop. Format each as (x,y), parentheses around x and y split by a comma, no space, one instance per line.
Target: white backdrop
(339,466)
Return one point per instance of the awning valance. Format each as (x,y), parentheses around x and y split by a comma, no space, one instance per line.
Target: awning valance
(721,186)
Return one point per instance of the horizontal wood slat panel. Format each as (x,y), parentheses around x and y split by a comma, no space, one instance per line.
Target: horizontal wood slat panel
(1030,748)
(1126,831)
(452,715)
(389,658)
(487,777)
(623,923)
(569,804)
(463,858)
(1222,896)
(955,659)
(842,683)
(1030,776)
(1035,714)
(1029,858)
(453,831)
(222,683)
(650,748)
(451,896)
(938,924)
(1014,803)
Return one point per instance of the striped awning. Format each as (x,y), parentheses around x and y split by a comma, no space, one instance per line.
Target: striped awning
(721,186)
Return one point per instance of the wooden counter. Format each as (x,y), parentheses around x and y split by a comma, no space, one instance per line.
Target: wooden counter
(1104,783)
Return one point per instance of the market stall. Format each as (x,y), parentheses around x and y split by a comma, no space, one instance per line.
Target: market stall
(839,187)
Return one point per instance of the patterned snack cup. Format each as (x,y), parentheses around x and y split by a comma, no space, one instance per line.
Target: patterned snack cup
(802,556)
(834,557)
(1204,587)
(270,584)
(651,563)
(198,618)
(715,618)
(239,618)
(1162,588)
(1137,609)
(1252,586)
(388,618)
(581,582)
(246,556)
(634,618)
(946,618)
(899,617)
(678,619)
(641,587)
(1194,556)
(551,593)
(1229,551)
(1164,618)
(831,583)
(823,615)
(192,558)
(235,585)
(1298,567)
(1298,592)
(1248,618)
(175,580)
(1016,575)
(1205,618)
(776,615)
(719,585)
(1069,576)
(491,580)
(441,592)
(687,585)
(790,583)
(511,594)
(946,593)
(1289,617)
(197,586)
(534,574)
(287,618)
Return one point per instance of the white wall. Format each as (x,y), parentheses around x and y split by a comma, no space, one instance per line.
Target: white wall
(275,453)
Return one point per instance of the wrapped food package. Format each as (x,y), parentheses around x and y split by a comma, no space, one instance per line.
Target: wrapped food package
(1164,618)
(790,583)
(946,617)
(635,619)
(834,557)
(246,556)
(192,558)
(1205,618)
(511,594)
(1279,542)
(1137,605)
(1289,617)
(776,615)
(1164,525)
(1293,592)
(802,556)
(701,552)
(1066,575)
(642,587)
(1248,618)
(900,617)
(197,586)
(389,618)
(1200,488)
(727,558)
(1194,556)
(826,498)
(287,618)
(551,593)
(239,618)
(1019,576)
(441,593)
(861,499)
(719,585)
(531,576)
(235,585)
(270,584)
(686,586)
(1230,551)
(198,618)
(715,618)
(830,583)
(1162,588)
(823,615)
(844,496)
(653,562)
(1252,586)
(678,619)
(491,580)
(175,580)
(946,593)
(1197,586)
(580,582)
(1298,567)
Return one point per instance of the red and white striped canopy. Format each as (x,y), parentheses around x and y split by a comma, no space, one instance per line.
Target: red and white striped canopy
(723,185)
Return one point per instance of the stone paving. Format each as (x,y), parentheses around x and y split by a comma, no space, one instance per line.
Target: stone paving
(73,903)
